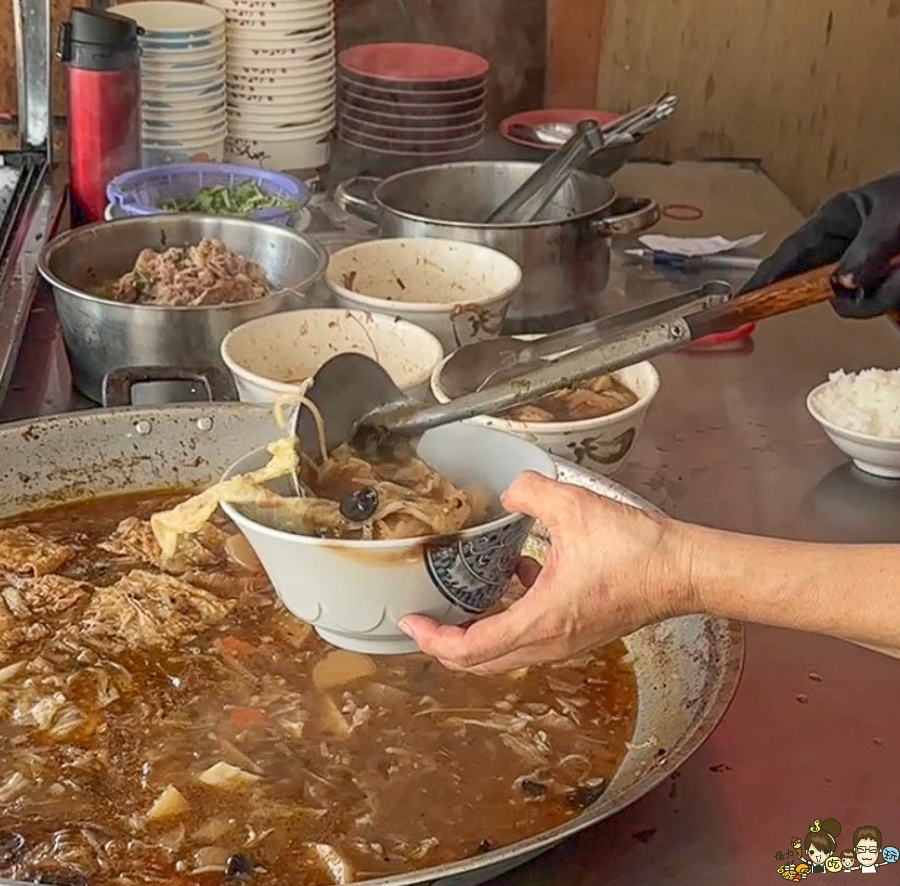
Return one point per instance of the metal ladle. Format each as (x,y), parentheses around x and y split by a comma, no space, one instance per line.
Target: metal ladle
(359,403)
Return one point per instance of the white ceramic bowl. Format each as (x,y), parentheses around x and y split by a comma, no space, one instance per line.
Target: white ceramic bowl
(459,291)
(171,116)
(203,68)
(165,124)
(299,46)
(180,103)
(181,82)
(187,49)
(322,108)
(310,71)
(879,456)
(212,151)
(300,122)
(281,153)
(247,37)
(599,444)
(355,592)
(268,356)
(176,137)
(176,90)
(168,17)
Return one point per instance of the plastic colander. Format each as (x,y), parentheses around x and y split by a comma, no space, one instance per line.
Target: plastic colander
(144,191)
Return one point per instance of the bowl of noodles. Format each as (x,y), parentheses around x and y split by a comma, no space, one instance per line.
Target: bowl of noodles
(376,538)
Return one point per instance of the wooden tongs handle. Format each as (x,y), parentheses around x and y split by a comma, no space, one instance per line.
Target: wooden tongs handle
(770,301)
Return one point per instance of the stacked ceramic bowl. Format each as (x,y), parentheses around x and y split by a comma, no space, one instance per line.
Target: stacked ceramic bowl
(412,99)
(281,82)
(182,80)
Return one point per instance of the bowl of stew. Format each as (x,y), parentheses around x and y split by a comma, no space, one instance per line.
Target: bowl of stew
(445,546)
(595,425)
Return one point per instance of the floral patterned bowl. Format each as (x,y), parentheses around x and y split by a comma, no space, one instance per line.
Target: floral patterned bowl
(458,291)
(354,593)
(601,445)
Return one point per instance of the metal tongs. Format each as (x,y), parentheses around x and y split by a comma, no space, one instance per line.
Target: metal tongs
(474,366)
(527,201)
(360,403)
(622,130)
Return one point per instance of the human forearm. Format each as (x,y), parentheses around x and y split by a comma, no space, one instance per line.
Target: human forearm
(847,591)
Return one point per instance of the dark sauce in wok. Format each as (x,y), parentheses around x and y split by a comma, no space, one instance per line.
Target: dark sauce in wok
(172,737)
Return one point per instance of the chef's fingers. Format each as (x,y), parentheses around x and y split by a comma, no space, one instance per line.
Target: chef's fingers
(481,641)
(551,502)
(823,239)
(886,298)
(535,654)
(527,571)
(867,260)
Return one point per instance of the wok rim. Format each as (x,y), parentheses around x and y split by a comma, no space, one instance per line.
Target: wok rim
(730,669)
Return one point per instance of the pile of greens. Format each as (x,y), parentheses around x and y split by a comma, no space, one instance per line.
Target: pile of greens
(241,200)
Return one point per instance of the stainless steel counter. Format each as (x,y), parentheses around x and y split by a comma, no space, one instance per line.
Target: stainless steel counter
(815,729)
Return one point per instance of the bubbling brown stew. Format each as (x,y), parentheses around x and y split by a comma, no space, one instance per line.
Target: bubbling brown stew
(169,722)
(594,398)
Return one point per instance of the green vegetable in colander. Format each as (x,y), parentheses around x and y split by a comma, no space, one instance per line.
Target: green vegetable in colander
(219,200)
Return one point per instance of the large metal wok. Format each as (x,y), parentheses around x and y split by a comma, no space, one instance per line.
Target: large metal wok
(687,668)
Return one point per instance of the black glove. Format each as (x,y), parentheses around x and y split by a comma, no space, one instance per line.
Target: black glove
(861,228)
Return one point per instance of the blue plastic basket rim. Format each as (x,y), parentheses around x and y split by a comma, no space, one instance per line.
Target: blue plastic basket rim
(115,190)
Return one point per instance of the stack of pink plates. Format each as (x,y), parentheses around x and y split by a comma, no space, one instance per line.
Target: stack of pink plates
(412,99)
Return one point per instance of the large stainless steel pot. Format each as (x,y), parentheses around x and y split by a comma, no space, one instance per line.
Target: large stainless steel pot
(687,668)
(102,335)
(565,258)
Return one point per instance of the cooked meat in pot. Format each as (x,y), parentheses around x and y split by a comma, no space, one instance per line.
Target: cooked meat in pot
(206,274)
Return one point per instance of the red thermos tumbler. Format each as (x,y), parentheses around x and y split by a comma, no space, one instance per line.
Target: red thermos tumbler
(102,57)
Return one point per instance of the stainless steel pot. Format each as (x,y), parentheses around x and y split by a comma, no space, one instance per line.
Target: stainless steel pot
(565,259)
(687,668)
(102,335)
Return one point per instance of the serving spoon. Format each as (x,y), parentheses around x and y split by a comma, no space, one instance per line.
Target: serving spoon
(359,403)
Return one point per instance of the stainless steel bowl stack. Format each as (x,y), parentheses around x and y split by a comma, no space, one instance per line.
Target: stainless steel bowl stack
(102,335)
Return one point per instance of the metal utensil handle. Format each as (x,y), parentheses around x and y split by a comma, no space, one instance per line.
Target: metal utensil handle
(779,298)
(649,341)
(621,124)
(649,124)
(703,297)
(363,207)
(118,384)
(524,204)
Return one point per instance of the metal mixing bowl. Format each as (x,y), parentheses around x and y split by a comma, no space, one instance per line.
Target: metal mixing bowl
(102,335)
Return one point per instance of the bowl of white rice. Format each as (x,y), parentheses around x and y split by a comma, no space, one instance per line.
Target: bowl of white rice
(860,413)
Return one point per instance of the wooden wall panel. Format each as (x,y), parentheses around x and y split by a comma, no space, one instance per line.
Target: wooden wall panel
(809,86)
(575,31)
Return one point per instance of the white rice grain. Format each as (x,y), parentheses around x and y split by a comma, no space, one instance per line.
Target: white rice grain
(867,402)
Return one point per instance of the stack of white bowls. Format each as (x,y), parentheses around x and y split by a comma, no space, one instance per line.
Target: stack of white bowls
(183,115)
(281,81)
